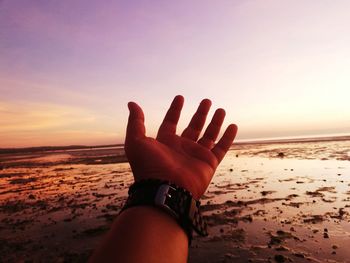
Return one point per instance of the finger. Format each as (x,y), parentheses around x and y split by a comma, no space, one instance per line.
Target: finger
(225,142)
(172,117)
(196,124)
(213,129)
(136,127)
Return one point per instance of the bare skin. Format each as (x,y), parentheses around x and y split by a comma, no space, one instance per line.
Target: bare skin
(146,234)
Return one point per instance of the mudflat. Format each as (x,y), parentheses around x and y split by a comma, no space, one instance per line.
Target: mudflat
(278,202)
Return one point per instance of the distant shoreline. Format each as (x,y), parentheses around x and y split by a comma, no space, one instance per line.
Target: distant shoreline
(80,147)
(56,148)
(297,140)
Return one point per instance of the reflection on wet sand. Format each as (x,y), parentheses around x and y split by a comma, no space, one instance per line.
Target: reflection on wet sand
(262,205)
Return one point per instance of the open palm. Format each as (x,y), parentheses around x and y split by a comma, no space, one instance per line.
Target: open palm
(183,160)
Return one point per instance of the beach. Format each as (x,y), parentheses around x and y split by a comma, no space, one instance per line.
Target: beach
(268,202)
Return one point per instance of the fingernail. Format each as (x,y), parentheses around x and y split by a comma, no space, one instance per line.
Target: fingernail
(206,101)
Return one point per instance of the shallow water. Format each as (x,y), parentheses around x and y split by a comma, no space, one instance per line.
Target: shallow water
(290,208)
(259,207)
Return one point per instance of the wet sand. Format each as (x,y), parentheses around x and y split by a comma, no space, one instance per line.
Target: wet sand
(277,202)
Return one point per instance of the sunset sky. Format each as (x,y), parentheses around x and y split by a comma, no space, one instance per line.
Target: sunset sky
(68,68)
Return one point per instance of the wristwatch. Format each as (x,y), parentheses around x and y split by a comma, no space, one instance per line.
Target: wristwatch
(176,201)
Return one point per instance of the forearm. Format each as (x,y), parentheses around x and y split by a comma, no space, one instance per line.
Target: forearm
(144,234)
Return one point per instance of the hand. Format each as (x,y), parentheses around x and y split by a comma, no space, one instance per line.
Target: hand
(183,160)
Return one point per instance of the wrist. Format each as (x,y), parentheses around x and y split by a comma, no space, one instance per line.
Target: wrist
(169,199)
(195,186)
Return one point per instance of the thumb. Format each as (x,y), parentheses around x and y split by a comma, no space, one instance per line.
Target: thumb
(136,127)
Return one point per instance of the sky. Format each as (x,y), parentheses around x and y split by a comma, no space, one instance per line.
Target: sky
(68,68)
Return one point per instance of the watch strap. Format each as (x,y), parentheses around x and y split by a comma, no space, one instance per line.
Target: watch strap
(175,200)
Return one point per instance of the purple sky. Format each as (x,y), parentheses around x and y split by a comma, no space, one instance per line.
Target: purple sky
(68,68)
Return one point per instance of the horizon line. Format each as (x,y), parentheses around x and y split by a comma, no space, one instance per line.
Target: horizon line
(324,137)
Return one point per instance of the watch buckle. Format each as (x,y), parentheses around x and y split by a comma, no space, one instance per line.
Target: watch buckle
(160,199)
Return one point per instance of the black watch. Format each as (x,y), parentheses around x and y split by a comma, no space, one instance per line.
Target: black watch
(171,198)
